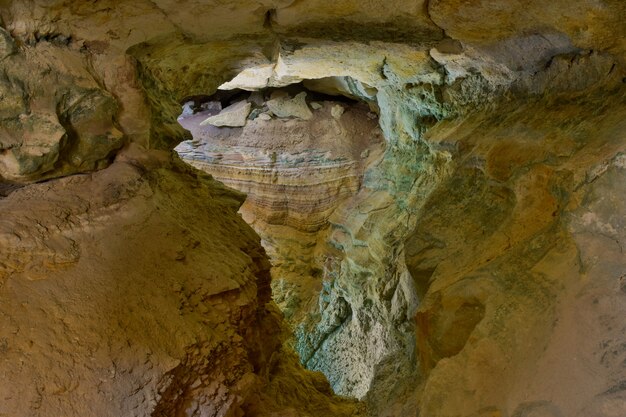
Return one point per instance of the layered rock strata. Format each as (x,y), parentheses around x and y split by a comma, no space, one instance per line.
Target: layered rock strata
(517,258)
(504,126)
(295,172)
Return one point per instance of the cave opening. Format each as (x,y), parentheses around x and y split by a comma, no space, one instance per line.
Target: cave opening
(335,171)
(439,186)
(300,152)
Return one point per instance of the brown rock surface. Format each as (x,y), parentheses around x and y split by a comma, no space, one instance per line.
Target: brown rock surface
(515,298)
(476,270)
(56,118)
(121,297)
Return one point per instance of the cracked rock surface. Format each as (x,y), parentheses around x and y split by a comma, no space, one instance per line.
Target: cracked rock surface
(472,264)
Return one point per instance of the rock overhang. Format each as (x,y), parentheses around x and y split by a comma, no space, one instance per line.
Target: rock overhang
(521,61)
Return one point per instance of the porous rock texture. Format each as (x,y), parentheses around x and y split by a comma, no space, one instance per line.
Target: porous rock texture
(477,271)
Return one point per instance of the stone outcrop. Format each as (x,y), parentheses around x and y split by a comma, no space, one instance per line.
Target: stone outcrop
(511,263)
(295,173)
(476,270)
(56,118)
(290,107)
(127,322)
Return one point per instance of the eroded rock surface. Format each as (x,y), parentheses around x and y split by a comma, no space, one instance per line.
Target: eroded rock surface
(504,272)
(232,116)
(56,118)
(295,173)
(138,291)
(476,270)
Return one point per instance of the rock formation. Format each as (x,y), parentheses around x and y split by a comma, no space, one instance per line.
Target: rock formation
(124,297)
(473,265)
(295,172)
(232,116)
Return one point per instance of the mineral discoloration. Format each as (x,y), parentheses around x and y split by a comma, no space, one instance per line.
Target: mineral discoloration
(473,266)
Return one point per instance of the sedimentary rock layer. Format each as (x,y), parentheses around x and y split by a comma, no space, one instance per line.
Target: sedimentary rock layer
(478,271)
(294,172)
(518,260)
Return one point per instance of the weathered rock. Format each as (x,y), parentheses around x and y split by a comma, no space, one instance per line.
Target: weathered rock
(494,217)
(56,121)
(336,111)
(295,174)
(174,308)
(250,78)
(234,115)
(7,46)
(291,107)
(512,243)
(110,344)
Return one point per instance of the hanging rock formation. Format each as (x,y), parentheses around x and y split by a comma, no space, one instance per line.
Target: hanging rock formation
(474,267)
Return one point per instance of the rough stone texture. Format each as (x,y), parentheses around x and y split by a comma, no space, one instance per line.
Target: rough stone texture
(478,271)
(138,291)
(291,107)
(589,24)
(295,173)
(507,278)
(7,46)
(232,116)
(56,118)
(336,111)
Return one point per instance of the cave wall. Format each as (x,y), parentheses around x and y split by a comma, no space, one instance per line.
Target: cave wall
(295,172)
(93,324)
(518,308)
(136,291)
(481,261)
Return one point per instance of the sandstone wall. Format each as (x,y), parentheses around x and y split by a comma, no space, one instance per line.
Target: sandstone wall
(506,118)
(139,291)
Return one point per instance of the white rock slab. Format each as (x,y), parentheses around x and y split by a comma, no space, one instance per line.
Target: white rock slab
(235,115)
(295,107)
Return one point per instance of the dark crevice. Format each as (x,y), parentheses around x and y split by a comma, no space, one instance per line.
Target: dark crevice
(229,97)
(7,188)
(270,18)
